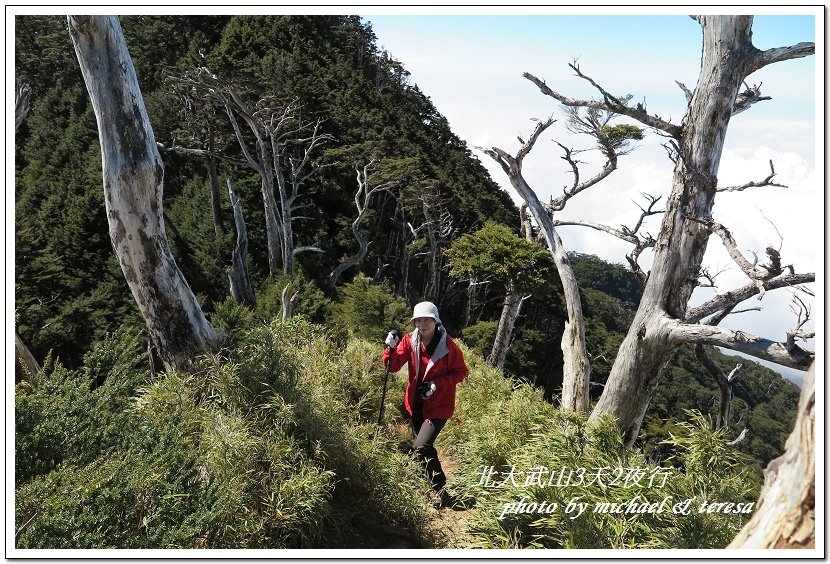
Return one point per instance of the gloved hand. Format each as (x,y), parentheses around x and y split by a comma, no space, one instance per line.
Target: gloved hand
(393,338)
(427,389)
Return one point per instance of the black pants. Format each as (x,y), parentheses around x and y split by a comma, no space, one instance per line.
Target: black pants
(427,453)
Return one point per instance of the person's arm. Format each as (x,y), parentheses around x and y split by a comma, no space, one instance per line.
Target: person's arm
(398,356)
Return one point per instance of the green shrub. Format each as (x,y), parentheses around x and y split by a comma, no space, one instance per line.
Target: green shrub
(480,336)
(231,320)
(76,416)
(310,302)
(369,311)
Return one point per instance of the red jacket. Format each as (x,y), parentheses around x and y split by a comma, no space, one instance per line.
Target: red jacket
(446,368)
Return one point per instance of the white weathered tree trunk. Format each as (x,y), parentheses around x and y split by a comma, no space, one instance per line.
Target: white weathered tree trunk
(504,331)
(133,176)
(238,275)
(576,369)
(362,198)
(785,516)
(728,58)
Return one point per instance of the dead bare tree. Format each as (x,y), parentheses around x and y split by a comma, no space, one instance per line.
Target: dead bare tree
(133,175)
(612,142)
(724,381)
(440,228)
(238,276)
(362,199)
(283,145)
(662,320)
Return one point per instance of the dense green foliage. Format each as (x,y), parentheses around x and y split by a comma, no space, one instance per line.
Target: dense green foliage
(369,310)
(495,254)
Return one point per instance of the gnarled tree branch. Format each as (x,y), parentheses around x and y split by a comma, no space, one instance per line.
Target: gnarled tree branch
(362,199)
(757,275)
(765,182)
(734,297)
(761,59)
(610,103)
(740,341)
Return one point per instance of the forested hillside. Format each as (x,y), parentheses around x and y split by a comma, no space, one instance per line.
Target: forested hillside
(116,455)
(68,287)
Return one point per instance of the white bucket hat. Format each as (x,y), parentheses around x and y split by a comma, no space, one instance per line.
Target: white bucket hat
(426,309)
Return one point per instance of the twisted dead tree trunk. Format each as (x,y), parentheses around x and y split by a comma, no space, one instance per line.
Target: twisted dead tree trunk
(133,176)
(728,58)
(238,276)
(785,516)
(362,199)
(576,366)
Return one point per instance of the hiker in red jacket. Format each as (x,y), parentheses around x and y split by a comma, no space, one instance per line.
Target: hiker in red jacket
(436,367)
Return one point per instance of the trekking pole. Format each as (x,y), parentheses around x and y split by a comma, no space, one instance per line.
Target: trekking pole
(383,397)
(385,382)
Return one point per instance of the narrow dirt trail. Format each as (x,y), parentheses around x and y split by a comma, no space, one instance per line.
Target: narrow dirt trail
(447,525)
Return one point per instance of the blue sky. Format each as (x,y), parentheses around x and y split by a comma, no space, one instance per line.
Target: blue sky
(471,68)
